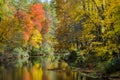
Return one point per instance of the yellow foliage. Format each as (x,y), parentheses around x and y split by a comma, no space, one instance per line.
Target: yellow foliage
(36,39)
(37,72)
(101,51)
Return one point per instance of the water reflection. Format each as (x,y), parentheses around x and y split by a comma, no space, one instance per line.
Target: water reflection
(34,73)
(33,69)
(21,73)
(59,75)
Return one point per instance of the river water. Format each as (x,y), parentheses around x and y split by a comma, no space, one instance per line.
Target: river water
(34,70)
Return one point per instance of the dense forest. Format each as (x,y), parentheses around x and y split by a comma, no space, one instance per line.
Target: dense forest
(83,33)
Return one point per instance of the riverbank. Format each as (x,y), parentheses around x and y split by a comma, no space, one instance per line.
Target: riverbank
(88,72)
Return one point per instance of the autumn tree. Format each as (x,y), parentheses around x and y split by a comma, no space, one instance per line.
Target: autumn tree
(34,24)
(89,26)
(49,40)
(23,23)
(8,25)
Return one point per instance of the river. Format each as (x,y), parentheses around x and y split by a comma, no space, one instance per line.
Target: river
(33,69)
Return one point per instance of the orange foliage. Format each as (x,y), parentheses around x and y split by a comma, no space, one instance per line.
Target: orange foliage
(25,20)
(35,19)
(38,15)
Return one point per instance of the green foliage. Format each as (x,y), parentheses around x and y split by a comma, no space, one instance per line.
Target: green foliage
(73,58)
(35,51)
(50,38)
(21,4)
(19,51)
(108,67)
(113,66)
(101,67)
(5,11)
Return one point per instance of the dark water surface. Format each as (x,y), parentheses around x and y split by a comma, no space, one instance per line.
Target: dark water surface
(34,70)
